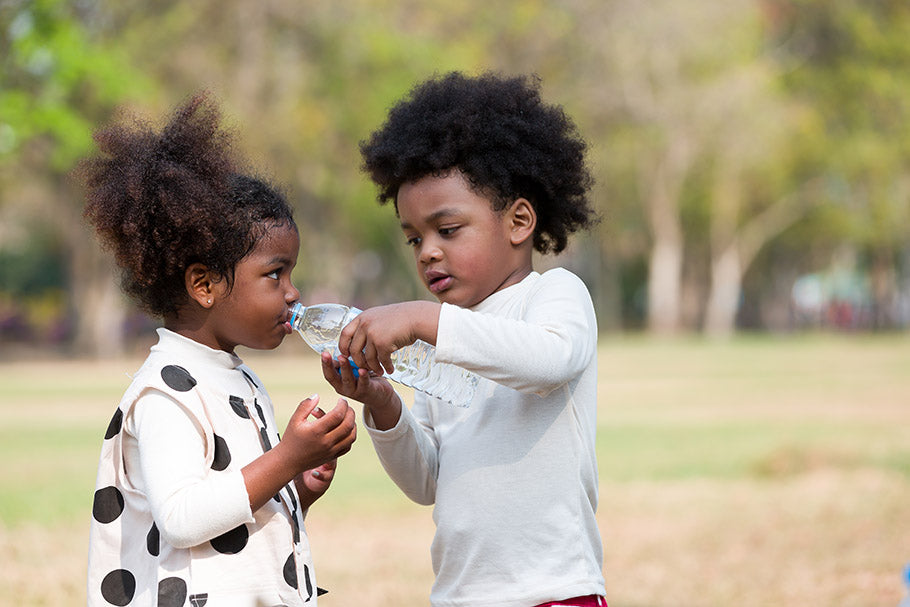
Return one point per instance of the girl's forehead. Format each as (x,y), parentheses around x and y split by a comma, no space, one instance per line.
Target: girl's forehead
(277,239)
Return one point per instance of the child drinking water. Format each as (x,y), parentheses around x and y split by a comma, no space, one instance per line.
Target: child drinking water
(194,502)
(482,173)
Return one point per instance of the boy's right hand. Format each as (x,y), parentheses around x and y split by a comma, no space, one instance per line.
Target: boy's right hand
(310,441)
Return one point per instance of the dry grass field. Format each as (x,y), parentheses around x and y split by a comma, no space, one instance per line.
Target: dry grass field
(761,471)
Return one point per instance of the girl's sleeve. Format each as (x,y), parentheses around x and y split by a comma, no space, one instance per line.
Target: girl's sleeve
(408,452)
(550,343)
(190,502)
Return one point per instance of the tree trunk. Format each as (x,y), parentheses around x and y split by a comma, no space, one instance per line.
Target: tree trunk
(666,258)
(723,302)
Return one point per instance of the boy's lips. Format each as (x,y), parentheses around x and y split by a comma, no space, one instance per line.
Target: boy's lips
(438,281)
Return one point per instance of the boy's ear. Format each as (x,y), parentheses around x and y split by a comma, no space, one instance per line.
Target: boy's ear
(522,221)
(200,284)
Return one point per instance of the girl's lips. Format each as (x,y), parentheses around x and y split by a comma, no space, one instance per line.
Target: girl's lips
(287,327)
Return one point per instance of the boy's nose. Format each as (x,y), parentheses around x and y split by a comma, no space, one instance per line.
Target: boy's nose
(430,253)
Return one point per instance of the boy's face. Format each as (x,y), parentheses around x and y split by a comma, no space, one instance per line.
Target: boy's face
(465,251)
(254,312)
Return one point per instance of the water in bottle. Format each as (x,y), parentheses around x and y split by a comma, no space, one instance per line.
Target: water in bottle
(415,365)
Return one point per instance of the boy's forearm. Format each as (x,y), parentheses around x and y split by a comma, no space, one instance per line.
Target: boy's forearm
(385,414)
(424,319)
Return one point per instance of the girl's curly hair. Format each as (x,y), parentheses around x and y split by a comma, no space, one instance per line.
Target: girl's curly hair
(163,201)
(498,132)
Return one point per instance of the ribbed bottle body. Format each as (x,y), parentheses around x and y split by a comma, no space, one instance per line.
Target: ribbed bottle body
(320,326)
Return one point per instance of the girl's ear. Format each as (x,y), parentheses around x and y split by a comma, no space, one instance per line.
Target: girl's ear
(200,284)
(522,221)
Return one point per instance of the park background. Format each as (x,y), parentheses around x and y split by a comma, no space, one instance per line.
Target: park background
(751,271)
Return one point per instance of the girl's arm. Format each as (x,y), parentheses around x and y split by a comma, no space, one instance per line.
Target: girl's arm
(191,503)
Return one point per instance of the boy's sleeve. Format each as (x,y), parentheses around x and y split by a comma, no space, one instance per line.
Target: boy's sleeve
(551,343)
(408,452)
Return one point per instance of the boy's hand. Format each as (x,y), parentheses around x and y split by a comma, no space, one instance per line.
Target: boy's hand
(375,392)
(375,333)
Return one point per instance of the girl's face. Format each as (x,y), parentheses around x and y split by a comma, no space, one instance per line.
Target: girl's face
(465,251)
(253,313)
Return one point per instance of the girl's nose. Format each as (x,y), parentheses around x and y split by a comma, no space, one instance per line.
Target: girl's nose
(293,295)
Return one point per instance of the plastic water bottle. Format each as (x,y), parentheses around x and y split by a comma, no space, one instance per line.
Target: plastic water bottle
(415,365)
(905,602)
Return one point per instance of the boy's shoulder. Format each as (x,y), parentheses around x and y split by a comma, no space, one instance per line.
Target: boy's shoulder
(560,275)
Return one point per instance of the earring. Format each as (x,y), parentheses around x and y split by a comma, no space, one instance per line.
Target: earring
(210,302)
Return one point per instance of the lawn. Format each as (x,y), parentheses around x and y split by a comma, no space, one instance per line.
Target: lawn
(760,471)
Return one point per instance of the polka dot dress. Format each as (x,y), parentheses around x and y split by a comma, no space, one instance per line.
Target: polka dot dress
(265,562)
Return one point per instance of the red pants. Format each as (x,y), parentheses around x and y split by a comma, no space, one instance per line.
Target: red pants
(592,600)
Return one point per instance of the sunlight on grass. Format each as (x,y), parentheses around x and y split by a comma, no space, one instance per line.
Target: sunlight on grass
(751,472)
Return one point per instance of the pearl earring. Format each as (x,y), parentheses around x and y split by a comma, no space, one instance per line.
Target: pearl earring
(210,302)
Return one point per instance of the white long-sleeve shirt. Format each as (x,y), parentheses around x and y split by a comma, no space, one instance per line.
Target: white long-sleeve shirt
(171,520)
(514,476)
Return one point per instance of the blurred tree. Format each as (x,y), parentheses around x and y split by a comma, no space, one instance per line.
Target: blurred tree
(57,82)
(850,60)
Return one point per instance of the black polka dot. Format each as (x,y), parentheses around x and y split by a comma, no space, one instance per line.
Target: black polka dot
(239,407)
(309,583)
(171,592)
(113,428)
(231,542)
(199,600)
(153,541)
(222,454)
(177,378)
(108,504)
(118,587)
(261,414)
(249,378)
(291,495)
(266,443)
(290,572)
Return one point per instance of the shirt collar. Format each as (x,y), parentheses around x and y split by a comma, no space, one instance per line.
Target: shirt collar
(183,346)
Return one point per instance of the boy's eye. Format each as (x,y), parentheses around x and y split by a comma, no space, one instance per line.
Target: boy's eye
(413,241)
(273,274)
(448,231)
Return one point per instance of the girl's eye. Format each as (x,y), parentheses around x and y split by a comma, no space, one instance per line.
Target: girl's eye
(273,274)
(413,241)
(447,231)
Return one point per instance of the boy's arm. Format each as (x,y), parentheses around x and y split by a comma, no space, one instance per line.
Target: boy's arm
(549,344)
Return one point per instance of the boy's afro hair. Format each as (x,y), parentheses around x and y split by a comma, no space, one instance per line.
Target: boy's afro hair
(498,132)
(161,201)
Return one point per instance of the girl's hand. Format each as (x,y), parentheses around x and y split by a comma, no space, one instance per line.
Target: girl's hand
(375,333)
(312,484)
(310,443)
(375,392)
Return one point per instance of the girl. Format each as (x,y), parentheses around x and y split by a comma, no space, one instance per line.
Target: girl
(194,502)
(482,174)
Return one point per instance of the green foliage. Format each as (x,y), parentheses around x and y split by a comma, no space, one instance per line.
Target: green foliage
(56,81)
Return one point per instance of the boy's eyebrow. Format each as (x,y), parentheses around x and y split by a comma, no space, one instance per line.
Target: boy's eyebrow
(435,216)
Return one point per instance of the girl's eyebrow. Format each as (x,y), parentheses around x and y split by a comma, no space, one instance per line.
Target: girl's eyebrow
(279,259)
